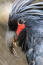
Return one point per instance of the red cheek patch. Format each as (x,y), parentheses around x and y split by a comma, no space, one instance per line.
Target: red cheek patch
(20,28)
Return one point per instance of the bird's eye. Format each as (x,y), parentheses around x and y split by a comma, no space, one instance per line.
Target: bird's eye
(20,21)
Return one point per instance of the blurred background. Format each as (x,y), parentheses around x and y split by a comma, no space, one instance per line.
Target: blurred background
(5,57)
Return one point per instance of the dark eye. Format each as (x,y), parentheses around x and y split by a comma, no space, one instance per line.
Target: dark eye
(20,21)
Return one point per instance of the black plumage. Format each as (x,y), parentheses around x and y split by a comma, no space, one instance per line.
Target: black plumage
(32,41)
